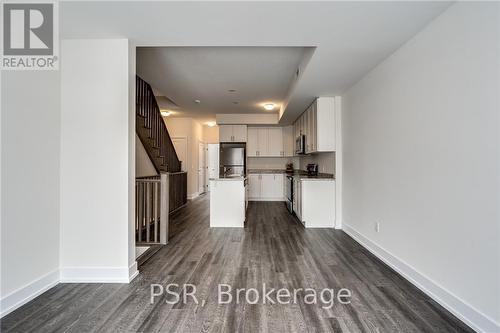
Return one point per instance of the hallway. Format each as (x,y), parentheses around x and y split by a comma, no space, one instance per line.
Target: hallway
(272,249)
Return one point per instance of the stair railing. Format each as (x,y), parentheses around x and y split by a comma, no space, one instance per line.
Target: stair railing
(151,217)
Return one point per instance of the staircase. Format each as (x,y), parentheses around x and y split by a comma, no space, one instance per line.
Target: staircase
(159,195)
(152,130)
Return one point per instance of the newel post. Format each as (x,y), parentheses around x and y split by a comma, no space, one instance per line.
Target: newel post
(164,195)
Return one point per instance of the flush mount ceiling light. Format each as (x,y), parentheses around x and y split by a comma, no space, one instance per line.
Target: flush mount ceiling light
(165,113)
(236,102)
(232,90)
(269,106)
(197,101)
(211,124)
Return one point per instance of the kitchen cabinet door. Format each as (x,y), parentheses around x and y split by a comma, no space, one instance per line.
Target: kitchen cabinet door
(278,186)
(313,126)
(267,186)
(275,142)
(225,133)
(252,142)
(288,140)
(254,186)
(262,138)
(240,133)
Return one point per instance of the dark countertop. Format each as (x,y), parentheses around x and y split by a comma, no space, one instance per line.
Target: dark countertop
(250,171)
(300,174)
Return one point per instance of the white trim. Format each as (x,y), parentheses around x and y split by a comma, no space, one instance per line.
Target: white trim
(193,196)
(338,162)
(465,312)
(28,292)
(267,199)
(96,274)
(132,272)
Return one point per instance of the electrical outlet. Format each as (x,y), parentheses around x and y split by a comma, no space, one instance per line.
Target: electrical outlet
(377,226)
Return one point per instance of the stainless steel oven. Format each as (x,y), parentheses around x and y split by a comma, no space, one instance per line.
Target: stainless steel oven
(289,194)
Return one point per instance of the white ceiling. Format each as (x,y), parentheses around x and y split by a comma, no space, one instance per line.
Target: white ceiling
(258,74)
(350,38)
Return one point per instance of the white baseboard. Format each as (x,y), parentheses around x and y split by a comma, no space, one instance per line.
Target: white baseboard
(193,196)
(465,312)
(28,292)
(266,199)
(132,271)
(97,274)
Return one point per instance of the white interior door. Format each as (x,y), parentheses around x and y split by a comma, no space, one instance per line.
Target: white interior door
(201,167)
(180,145)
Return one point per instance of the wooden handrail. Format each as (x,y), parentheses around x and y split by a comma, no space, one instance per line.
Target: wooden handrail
(152,130)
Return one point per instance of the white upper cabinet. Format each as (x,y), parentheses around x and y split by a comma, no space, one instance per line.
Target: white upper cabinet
(317,123)
(233,133)
(288,140)
(275,142)
(265,142)
(252,142)
(225,133)
(262,138)
(240,133)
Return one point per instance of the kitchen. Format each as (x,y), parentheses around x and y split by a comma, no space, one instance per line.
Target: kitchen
(297,164)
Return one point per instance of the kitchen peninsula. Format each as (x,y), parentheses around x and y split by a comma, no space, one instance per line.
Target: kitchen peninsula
(228,202)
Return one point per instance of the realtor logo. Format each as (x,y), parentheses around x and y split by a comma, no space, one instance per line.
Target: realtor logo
(29,36)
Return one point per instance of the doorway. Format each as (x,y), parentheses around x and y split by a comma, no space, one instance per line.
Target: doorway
(213,161)
(201,167)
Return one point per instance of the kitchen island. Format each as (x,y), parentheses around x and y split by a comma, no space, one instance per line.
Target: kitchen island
(228,202)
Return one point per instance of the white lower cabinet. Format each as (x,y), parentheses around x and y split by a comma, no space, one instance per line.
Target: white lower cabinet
(253,186)
(266,187)
(314,202)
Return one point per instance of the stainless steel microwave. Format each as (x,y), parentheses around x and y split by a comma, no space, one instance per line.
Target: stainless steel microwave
(300,145)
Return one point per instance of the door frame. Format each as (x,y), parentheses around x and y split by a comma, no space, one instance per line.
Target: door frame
(203,167)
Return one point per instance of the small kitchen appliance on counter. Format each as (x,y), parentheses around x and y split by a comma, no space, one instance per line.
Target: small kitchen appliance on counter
(312,169)
(289,168)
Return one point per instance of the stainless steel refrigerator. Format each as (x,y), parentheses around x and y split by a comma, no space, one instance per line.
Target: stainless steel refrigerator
(232,160)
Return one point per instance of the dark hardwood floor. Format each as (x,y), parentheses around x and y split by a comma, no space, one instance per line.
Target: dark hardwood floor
(273,249)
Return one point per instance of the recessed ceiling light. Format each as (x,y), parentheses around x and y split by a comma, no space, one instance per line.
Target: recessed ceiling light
(197,101)
(232,90)
(165,113)
(236,102)
(269,106)
(211,124)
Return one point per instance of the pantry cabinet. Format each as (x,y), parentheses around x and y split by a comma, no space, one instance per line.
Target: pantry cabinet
(233,133)
(266,187)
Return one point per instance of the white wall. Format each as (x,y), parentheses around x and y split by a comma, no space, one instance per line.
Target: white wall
(95,160)
(421,157)
(211,134)
(193,131)
(325,161)
(144,167)
(30,111)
